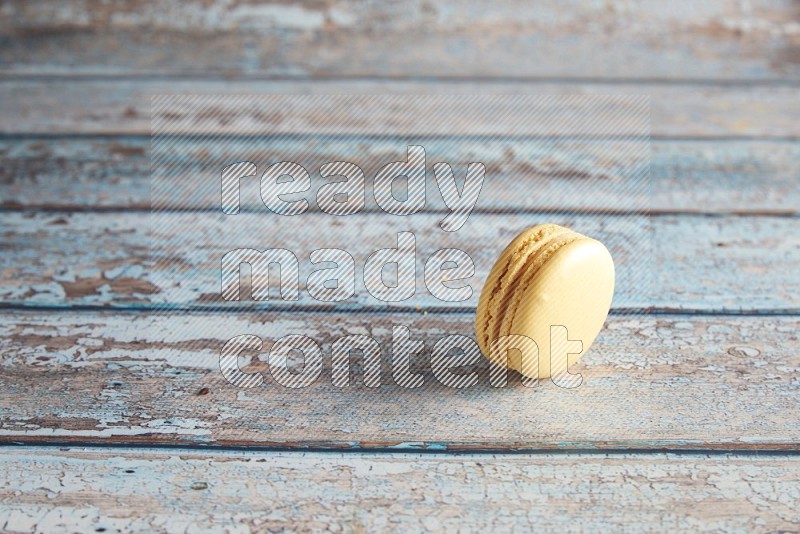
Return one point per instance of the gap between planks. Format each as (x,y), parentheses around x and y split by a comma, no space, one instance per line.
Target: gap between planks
(409,450)
(99,76)
(374,310)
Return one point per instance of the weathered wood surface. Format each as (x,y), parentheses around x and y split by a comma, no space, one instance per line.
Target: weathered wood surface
(686,176)
(694,263)
(722,77)
(85,490)
(719,39)
(103,106)
(649,382)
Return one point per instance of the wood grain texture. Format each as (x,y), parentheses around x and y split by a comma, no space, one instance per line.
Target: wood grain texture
(124,106)
(719,39)
(685,176)
(649,382)
(131,489)
(75,118)
(691,263)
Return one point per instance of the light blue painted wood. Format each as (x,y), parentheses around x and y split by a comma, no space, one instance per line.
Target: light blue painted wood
(681,40)
(144,490)
(692,263)
(111,106)
(668,382)
(694,176)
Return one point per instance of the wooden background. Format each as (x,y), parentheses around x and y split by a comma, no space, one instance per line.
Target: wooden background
(690,418)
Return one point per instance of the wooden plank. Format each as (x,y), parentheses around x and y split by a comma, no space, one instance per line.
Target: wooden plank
(719,39)
(689,263)
(85,490)
(686,176)
(123,107)
(649,382)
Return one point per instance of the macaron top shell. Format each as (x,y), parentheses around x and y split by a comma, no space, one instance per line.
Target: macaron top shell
(548,276)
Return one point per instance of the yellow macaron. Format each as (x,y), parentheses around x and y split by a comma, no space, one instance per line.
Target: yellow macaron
(548,276)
